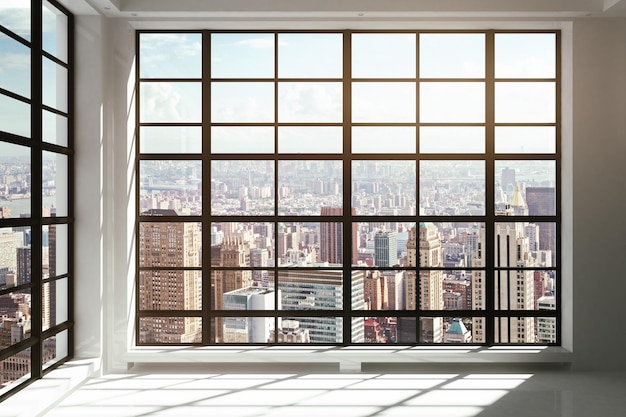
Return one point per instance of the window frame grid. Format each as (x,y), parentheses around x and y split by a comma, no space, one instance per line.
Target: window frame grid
(489,313)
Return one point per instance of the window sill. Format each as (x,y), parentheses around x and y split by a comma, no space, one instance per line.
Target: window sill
(354,358)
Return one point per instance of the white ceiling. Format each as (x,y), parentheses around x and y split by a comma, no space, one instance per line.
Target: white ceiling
(347,9)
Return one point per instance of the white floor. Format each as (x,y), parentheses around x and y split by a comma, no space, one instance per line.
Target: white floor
(518,394)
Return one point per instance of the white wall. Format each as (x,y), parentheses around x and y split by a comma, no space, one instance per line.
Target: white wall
(105,142)
(599,193)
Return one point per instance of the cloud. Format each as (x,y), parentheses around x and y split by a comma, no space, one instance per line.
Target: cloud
(13,61)
(258,43)
(160,102)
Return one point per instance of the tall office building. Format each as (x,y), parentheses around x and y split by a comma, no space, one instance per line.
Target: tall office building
(514,289)
(249,329)
(9,242)
(386,248)
(170,245)
(309,289)
(233,253)
(259,258)
(24,255)
(542,202)
(431,282)
(331,238)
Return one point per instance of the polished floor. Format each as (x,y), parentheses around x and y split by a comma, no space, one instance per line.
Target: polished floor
(554,393)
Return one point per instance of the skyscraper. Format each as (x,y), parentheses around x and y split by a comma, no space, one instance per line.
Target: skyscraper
(431,282)
(514,288)
(233,253)
(309,289)
(331,238)
(542,202)
(386,248)
(169,245)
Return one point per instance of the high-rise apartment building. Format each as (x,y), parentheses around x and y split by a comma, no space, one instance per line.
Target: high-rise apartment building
(431,282)
(546,326)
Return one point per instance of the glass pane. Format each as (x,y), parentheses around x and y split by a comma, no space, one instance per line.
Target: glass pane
(255,243)
(525,102)
(311,329)
(170,245)
(14,369)
(290,331)
(310,102)
(242,55)
(304,55)
(55,185)
(525,329)
(55,302)
(15,320)
(309,289)
(15,16)
(462,290)
(383,244)
(451,245)
(170,188)
(527,245)
(311,244)
(250,298)
(14,116)
(384,188)
(242,188)
(54,250)
(525,139)
(242,139)
(387,330)
(384,290)
(383,139)
(170,55)
(14,66)
(15,256)
(452,102)
(322,139)
(452,55)
(55,128)
(525,289)
(54,31)
(383,102)
(452,139)
(170,139)
(447,329)
(170,330)
(170,102)
(525,55)
(306,186)
(170,290)
(383,55)
(525,188)
(55,348)
(15,183)
(242,102)
(452,188)
(247,329)
(55,86)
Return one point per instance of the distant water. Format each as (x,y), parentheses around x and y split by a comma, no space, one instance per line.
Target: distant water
(23,206)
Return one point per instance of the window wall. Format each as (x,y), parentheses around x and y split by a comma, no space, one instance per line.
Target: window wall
(340,188)
(35,191)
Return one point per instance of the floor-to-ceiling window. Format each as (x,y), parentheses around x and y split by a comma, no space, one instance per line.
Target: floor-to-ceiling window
(348,187)
(35,190)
